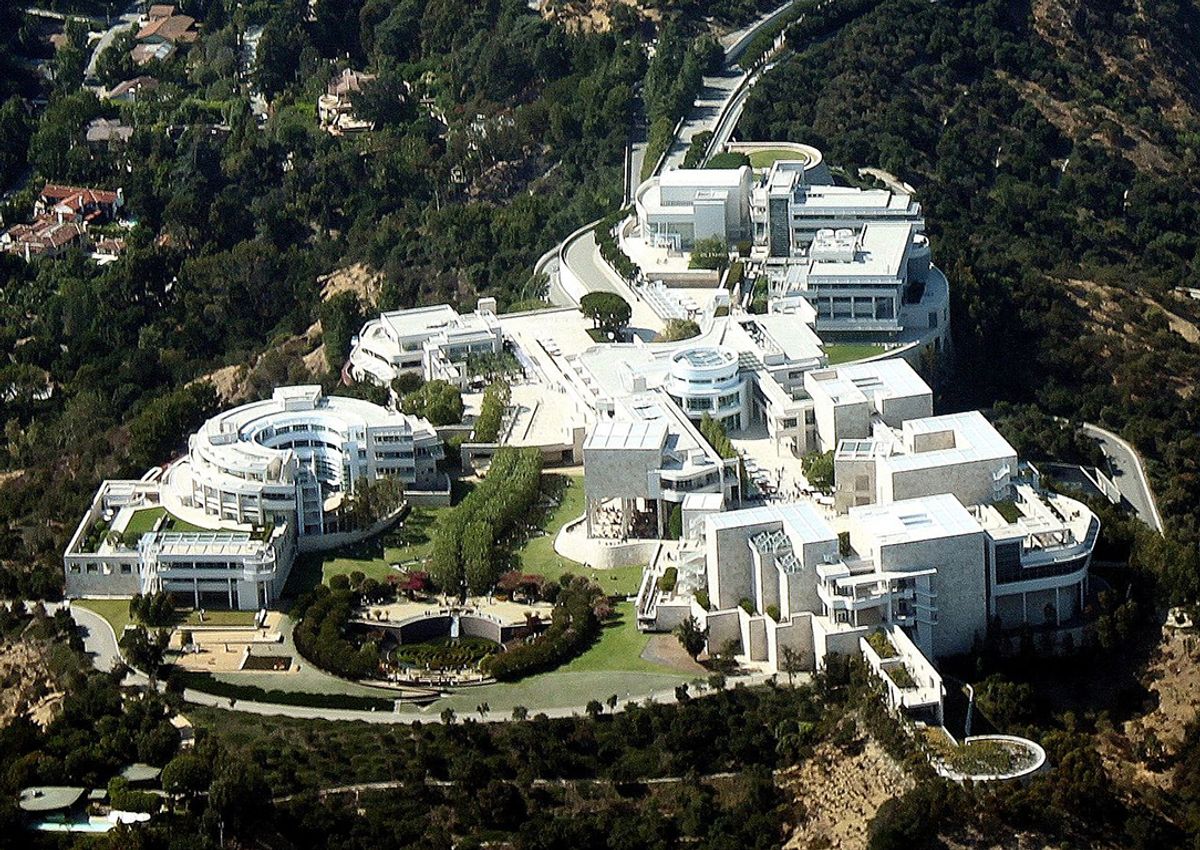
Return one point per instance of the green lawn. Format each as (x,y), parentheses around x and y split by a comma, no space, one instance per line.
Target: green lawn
(766,158)
(217,618)
(142,522)
(613,665)
(537,555)
(407,544)
(848,352)
(116,611)
(620,648)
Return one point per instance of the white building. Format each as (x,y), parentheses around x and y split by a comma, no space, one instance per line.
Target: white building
(788,210)
(858,280)
(849,400)
(258,483)
(226,566)
(931,576)
(434,342)
(644,457)
(296,455)
(683,206)
(960,453)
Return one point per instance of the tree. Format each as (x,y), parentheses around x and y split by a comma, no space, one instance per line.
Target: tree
(438,401)
(186,775)
(143,651)
(793,662)
(383,101)
(165,422)
(115,64)
(818,469)
(238,795)
(691,637)
(710,253)
(14,139)
(594,708)
(341,317)
(608,311)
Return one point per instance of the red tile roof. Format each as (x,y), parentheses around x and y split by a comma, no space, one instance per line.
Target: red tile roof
(76,196)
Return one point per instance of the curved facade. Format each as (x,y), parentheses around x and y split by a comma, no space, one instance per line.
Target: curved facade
(295,456)
(1038,565)
(707,380)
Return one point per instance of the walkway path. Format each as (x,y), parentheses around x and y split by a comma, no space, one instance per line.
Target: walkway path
(101,642)
(1128,473)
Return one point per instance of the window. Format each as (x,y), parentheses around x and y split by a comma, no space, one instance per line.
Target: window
(933,318)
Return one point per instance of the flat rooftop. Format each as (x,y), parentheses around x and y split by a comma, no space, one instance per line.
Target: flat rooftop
(803,523)
(709,178)
(873,381)
(441,318)
(912,520)
(635,435)
(775,333)
(952,439)
(881,251)
(50,798)
(817,200)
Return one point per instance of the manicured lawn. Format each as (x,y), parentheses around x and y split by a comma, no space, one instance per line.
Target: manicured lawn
(116,611)
(142,522)
(406,545)
(537,555)
(218,618)
(620,648)
(1009,510)
(848,352)
(767,158)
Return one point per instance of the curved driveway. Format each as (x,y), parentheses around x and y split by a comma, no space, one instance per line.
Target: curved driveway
(1128,473)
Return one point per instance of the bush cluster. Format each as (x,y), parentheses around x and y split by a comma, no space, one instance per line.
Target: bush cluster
(320,634)
(575,622)
(491,412)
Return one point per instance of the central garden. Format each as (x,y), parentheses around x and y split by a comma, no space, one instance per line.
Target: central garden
(480,549)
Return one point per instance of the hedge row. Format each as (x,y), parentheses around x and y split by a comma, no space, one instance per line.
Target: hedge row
(610,250)
(205,683)
(491,412)
(466,540)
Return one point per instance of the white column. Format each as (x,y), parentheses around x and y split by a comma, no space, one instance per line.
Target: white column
(1057,612)
(1024,610)
(195,592)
